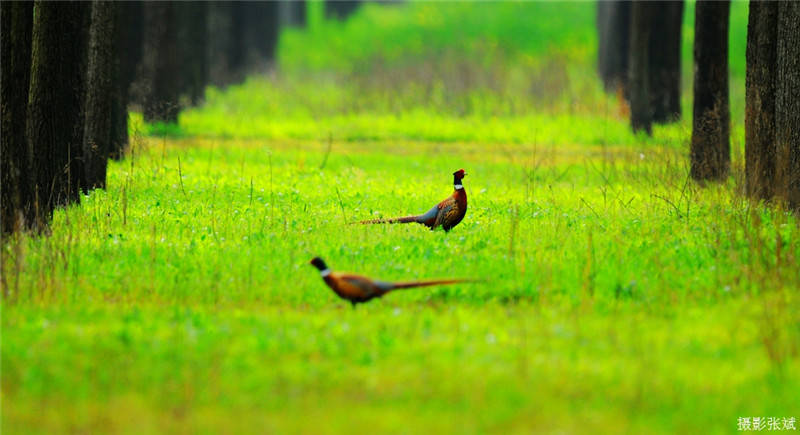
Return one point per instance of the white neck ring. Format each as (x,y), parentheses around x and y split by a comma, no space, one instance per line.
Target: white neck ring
(324,273)
(458,186)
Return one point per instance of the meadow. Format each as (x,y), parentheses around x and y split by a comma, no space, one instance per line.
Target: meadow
(617,295)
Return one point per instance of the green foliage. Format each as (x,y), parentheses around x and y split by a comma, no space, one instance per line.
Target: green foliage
(618,296)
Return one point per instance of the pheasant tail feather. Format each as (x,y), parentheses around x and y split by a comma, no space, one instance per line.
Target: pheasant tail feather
(397,220)
(414,284)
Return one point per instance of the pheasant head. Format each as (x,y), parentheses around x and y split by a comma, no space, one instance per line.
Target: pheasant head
(457,177)
(320,265)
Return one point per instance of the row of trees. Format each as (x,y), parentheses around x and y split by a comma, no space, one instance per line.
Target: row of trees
(70,70)
(639,58)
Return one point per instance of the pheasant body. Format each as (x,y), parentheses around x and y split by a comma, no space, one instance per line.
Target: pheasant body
(446,214)
(359,289)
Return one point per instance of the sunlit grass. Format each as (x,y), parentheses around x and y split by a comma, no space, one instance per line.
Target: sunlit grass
(617,294)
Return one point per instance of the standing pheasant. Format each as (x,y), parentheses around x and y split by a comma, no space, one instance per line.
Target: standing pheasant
(359,289)
(446,214)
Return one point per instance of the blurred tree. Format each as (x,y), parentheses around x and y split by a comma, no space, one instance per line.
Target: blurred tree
(341,9)
(100,76)
(262,25)
(56,103)
(639,67)
(160,62)
(613,24)
(237,42)
(243,37)
(129,17)
(665,60)
(710,147)
(292,13)
(219,35)
(227,46)
(759,117)
(192,40)
(660,24)
(787,104)
(16,195)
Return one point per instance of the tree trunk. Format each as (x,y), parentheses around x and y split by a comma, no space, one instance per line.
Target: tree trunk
(99,94)
(710,149)
(787,104)
(192,38)
(340,9)
(613,25)
(56,99)
(160,62)
(129,18)
(639,67)
(292,13)
(665,60)
(262,24)
(16,195)
(218,36)
(759,117)
(237,42)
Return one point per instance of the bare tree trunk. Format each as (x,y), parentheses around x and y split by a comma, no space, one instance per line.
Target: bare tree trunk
(129,18)
(16,193)
(787,105)
(613,25)
(193,37)
(759,117)
(237,42)
(263,26)
(341,9)
(639,67)
(665,60)
(99,94)
(292,13)
(160,62)
(710,149)
(56,103)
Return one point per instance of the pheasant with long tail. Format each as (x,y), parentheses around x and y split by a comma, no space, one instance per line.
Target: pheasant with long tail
(446,214)
(359,289)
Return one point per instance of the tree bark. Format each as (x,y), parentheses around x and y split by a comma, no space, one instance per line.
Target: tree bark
(99,94)
(341,9)
(613,25)
(665,60)
(787,105)
(16,195)
(759,117)
(56,103)
(193,37)
(710,148)
(263,27)
(292,13)
(129,24)
(237,42)
(160,62)
(639,67)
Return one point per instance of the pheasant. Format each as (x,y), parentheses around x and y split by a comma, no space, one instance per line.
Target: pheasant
(359,289)
(446,214)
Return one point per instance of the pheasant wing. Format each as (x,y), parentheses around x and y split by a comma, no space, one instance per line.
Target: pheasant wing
(446,209)
(357,287)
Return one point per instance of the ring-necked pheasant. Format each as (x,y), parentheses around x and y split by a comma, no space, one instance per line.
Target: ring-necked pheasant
(446,214)
(357,289)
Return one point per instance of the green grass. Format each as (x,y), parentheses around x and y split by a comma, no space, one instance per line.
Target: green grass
(618,296)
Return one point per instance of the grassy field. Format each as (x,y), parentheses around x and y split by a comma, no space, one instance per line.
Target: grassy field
(618,296)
